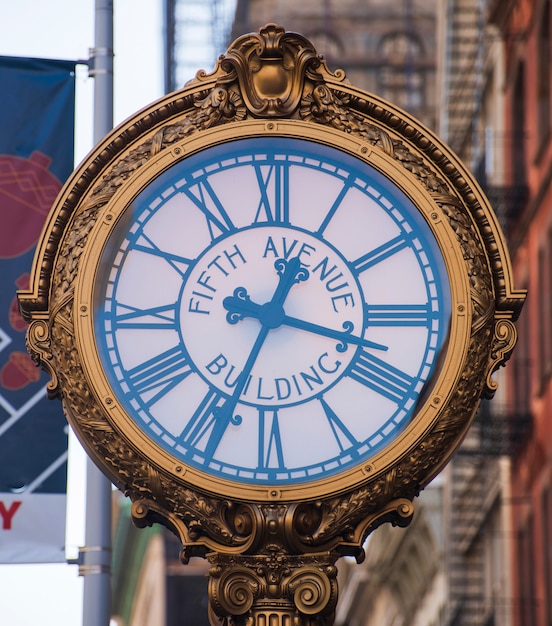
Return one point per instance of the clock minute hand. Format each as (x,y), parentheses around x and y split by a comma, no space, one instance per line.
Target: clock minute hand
(344,337)
(224,414)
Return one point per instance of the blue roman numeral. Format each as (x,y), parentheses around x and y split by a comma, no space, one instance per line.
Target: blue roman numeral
(145,244)
(388,381)
(335,205)
(160,374)
(397,314)
(158,318)
(342,434)
(204,197)
(379,254)
(273,183)
(202,420)
(271,454)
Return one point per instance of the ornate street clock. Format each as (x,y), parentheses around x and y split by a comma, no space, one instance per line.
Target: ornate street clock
(270,304)
(252,301)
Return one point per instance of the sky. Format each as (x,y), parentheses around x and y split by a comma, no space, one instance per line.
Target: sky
(64,29)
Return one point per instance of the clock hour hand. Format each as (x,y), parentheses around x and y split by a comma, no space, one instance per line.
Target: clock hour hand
(290,273)
(270,314)
(239,306)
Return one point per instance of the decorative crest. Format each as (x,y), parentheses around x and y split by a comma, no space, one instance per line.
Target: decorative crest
(271,67)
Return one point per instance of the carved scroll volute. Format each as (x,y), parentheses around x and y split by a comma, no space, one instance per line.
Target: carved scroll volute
(273,589)
(271,68)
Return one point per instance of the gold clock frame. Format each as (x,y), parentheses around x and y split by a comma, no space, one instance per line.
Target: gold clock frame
(91,365)
(273,550)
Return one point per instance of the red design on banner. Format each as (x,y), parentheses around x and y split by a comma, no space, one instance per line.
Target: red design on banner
(18,372)
(16,321)
(27,191)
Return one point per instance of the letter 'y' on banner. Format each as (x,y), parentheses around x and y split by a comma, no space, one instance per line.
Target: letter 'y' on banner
(37,109)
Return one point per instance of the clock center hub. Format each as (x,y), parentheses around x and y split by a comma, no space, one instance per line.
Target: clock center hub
(271,315)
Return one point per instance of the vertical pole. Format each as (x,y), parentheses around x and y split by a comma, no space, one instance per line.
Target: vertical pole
(102,69)
(96,555)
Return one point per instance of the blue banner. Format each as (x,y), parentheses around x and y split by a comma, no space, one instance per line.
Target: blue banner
(37,113)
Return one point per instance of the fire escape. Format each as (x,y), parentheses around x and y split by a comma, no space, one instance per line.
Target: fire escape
(477,488)
(197,32)
(463,76)
(474,529)
(462,119)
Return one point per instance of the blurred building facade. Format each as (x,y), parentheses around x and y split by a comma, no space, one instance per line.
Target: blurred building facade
(150,585)
(402,580)
(495,562)
(196,32)
(385,46)
(525,27)
(477,503)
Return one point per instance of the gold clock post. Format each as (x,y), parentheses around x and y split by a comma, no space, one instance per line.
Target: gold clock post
(275,563)
(272,547)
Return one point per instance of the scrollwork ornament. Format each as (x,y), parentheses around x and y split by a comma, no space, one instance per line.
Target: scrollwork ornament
(233,591)
(276,588)
(39,348)
(503,342)
(314,591)
(322,105)
(271,68)
(344,523)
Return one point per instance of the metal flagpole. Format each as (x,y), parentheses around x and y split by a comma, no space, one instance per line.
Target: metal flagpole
(95,557)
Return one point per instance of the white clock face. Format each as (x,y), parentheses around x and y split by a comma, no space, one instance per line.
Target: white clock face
(271,311)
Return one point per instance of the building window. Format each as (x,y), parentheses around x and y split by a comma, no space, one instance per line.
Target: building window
(519,167)
(542,321)
(526,579)
(400,79)
(546,504)
(545,310)
(521,368)
(548,298)
(544,101)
